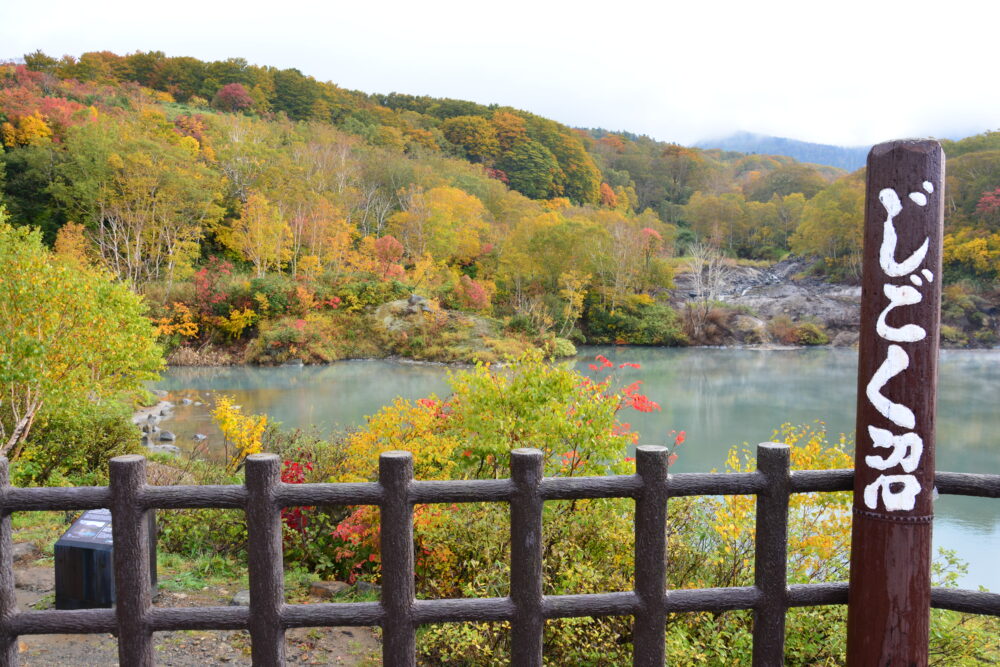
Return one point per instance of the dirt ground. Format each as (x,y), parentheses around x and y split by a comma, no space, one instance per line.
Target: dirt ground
(303,646)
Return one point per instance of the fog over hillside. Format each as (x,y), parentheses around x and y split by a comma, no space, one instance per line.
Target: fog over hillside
(845,157)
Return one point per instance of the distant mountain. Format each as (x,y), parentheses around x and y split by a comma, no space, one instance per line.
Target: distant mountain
(845,157)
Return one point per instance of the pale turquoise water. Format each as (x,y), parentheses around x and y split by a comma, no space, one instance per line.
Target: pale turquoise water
(719,397)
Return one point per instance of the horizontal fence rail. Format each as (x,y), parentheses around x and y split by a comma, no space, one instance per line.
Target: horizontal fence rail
(398,613)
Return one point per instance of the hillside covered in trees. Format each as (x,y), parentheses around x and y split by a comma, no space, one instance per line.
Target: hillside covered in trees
(262,211)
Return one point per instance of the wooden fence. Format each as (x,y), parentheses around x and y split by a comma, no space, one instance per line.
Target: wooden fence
(399,613)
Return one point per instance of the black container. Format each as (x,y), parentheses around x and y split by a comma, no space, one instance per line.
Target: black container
(84,558)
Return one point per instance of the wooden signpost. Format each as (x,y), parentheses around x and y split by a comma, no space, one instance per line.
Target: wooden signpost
(889,611)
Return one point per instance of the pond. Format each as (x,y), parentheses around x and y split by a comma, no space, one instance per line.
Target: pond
(720,397)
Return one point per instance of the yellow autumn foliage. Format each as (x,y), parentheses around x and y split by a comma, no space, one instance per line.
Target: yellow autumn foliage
(181,322)
(236,322)
(244,432)
(411,426)
(819,524)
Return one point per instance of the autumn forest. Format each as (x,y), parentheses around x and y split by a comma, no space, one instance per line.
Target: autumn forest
(268,216)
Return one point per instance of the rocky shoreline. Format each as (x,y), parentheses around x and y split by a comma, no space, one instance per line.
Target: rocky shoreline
(149,419)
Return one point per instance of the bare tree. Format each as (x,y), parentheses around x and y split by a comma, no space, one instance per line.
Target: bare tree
(709,272)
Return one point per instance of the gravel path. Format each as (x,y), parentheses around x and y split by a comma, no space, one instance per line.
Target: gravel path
(304,646)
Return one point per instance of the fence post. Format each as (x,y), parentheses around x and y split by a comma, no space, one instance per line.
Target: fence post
(526,469)
(399,643)
(649,626)
(771,555)
(265,560)
(130,532)
(8,600)
(889,599)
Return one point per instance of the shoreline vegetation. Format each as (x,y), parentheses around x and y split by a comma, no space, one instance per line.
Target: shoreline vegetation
(211,357)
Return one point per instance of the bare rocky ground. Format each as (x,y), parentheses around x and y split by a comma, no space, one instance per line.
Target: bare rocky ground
(305,646)
(773,291)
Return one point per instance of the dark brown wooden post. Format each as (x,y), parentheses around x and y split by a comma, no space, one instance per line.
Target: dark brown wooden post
(399,643)
(265,563)
(526,505)
(649,626)
(771,555)
(8,600)
(130,530)
(889,601)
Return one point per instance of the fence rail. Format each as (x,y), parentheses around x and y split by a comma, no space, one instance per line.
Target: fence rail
(263,495)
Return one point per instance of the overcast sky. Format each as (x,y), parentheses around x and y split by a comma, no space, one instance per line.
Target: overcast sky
(831,72)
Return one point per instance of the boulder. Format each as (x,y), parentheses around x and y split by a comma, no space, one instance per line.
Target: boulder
(164,449)
(417,304)
(25,551)
(198,437)
(845,339)
(750,330)
(367,587)
(38,579)
(241,599)
(328,589)
(167,436)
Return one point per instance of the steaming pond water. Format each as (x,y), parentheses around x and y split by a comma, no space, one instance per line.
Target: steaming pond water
(720,397)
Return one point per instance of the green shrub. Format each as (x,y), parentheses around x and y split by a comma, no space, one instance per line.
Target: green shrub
(953,336)
(637,322)
(356,296)
(562,347)
(75,446)
(522,324)
(276,289)
(200,532)
(985,337)
(809,333)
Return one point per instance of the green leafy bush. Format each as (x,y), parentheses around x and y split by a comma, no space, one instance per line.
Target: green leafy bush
(204,532)
(561,347)
(74,446)
(953,336)
(356,296)
(788,332)
(201,532)
(276,289)
(809,333)
(637,322)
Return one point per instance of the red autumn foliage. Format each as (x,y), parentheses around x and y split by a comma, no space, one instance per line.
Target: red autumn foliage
(498,174)
(989,203)
(207,283)
(388,252)
(472,295)
(296,518)
(232,97)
